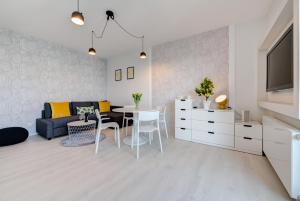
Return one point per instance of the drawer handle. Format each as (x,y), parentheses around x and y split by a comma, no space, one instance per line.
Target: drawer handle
(182,119)
(211,122)
(182,128)
(211,132)
(195,107)
(247,138)
(247,125)
(211,111)
(182,100)
(182,109)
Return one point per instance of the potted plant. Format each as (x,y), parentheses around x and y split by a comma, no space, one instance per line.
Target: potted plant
(205,89)
(137,98)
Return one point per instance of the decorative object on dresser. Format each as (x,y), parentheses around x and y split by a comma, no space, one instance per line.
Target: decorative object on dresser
(248,137)
(205,89)
(281,145)
(221,100)
(212,127)
(245,115)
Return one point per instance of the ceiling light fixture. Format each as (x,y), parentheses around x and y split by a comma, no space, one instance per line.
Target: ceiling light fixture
(77,17)
(110,16)
(92,50)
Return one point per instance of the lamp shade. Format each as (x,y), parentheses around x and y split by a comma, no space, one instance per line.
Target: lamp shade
(92,51)
(143,55)
(77,18)
(221,101)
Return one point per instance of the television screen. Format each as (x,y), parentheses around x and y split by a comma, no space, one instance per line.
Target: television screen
(280,63)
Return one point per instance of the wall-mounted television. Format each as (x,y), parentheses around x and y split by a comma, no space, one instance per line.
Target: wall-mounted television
(280,63)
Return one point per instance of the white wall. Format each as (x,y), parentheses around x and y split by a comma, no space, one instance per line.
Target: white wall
(247,39)
(34,71)
(119,92)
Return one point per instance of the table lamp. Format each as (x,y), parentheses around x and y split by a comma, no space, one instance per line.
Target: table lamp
(221,101)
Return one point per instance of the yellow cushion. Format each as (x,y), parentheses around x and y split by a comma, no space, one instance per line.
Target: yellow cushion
(61,109)
(104,106)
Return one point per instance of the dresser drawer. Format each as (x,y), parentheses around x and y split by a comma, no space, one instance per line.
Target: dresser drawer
(212,126)
(276,134)
(248,130)
(183,104)
(217,139)
(183,123)
(249,145)
(277,150)
(183,134)
(183,113)
(213,115)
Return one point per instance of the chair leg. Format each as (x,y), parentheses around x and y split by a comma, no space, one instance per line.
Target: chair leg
(165,123)
(132,137)
(149,134)
(126,126)
(97,142)
(123,124)
(159,136)
(138,147)
(115,131)
(118,133)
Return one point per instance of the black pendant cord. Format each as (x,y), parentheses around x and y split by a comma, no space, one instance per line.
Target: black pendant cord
(126,31)
(103,30)
(78,5)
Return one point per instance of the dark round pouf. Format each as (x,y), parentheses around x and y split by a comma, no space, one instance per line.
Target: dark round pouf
(13,135)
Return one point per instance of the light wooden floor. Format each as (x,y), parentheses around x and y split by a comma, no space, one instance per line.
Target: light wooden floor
(39,170)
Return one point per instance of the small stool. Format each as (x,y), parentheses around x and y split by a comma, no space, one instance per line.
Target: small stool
(12,135)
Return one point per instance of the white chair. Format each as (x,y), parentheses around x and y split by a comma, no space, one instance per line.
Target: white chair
(145,125)
(162,117)
(102,126)
(126,118)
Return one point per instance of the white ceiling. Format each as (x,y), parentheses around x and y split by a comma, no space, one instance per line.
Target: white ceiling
(158,20)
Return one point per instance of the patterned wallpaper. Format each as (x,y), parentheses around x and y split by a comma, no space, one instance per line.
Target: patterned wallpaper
(179,66)
(34,71)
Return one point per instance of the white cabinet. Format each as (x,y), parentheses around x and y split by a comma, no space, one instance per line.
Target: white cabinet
(213,127)
(248,137)
(183,109)
(281,144)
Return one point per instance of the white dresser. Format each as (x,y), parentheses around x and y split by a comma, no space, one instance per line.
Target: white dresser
(183,111)
(213,127)
(282,147)
(248,137)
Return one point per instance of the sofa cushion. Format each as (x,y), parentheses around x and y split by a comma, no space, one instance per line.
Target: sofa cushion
(104,106)
(83,110)
(62,122)
(60,109)
(74,105)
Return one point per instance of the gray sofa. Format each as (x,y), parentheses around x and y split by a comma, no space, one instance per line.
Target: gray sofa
(51,128)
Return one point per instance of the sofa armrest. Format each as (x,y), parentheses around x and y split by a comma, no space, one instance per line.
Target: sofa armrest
(44,127)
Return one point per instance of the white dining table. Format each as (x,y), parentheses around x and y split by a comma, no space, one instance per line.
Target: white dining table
(142,139)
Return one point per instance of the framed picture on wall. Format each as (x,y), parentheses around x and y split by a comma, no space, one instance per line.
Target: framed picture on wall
(130,73)
(118,75)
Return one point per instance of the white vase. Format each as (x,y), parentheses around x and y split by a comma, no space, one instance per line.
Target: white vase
(206,104)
